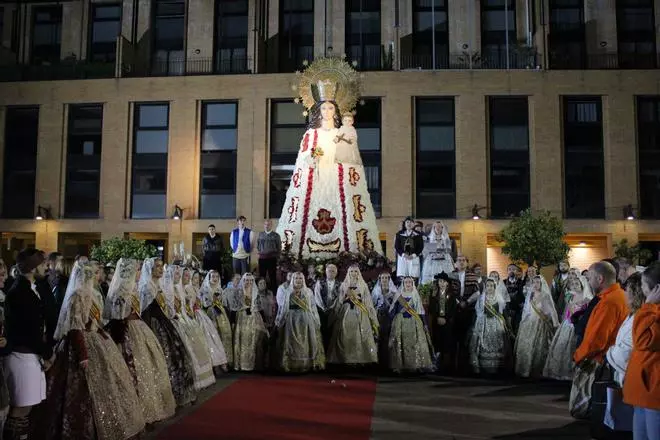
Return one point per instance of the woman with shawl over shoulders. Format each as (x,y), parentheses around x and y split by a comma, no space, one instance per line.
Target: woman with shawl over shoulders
(559,364)
(156,313)
(355,323)
(537,328)
(147,361)
(212,338)
(437,253)
(299,343)
(211,298)
(185,324)
(409,346)
(490,343)
(382,297)
(250,334)
(91,394)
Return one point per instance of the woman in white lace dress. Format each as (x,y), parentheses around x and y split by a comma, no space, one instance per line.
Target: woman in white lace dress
(437,253)
(537,328)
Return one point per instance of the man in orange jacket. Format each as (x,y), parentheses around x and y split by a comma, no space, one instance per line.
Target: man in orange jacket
(641,386)
(607,316)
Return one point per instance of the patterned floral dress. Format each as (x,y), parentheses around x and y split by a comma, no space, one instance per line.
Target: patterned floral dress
(409,340)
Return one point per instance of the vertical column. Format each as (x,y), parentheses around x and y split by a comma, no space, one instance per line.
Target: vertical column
(3,116)
(252,30)
(249,170)
(322,12)
(115,150)
(471,153)
(388,31)
(619,149)
(200,33)
(523,20)
(545,153)
(183,163)
(396,154)
(338,20)
(5,35)
(462,20)
(73,14)
(50,152)
(600,19)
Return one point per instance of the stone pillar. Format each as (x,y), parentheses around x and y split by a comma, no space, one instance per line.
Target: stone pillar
(200,31)
(396,154)
(50,157)
(472,167)
(545,153)
(619,149)
(523,19)
(183,163)
(322,34)
(252,30)
(3,116)
(115,154)
(74,21)
(463,22)
(600,20)
(249,170)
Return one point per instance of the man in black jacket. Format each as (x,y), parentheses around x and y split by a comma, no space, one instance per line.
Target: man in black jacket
(57,281)
(28,316)
(213,249)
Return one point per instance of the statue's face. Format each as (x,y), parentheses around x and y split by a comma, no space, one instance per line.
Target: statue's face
(347,120)
(327,111)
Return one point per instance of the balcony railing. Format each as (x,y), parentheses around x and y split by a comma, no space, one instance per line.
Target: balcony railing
(66,70)
(606,61)
(189,67)
(465,61)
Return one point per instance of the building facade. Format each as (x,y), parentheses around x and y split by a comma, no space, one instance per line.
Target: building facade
(115,114)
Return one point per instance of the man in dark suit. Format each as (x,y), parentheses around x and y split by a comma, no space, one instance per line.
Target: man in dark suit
(466,289)
(442,314)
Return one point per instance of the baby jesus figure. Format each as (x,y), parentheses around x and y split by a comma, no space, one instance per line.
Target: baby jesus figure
(347,143)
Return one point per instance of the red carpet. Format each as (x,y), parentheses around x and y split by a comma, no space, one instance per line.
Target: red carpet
(282,408)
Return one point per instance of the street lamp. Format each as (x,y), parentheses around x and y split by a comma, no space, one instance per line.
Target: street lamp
(43,213)
(178,213)
(628,212)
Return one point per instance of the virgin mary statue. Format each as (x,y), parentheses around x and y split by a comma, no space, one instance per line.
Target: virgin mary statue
(328,209)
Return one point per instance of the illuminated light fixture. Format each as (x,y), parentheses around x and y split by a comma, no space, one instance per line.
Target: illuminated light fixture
(582,243)
(178,213)
(475,212)
(43,213)
(628,212)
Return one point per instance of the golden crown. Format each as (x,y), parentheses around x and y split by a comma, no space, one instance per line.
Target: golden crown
(324,90)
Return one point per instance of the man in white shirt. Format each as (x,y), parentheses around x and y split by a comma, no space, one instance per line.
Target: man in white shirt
(241,246)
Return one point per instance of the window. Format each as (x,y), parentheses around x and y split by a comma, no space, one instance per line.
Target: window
(46,34)
(287,127)
(83,161)
(566,36)
(150,146)
(436,158)
(106,26)
(498,33)
(648,139)
(430,33)
(509,156)
(21,136)
(218,160)
(231,36)
(584,178)
(367,125)
(363,33)
(635,27)
(296,34)
(168,35)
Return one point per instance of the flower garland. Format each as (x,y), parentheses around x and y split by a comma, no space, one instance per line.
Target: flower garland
(314,152)
(342,198)
(305,143)
(308,199)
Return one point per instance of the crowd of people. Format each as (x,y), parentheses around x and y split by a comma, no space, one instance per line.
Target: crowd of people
(107,352)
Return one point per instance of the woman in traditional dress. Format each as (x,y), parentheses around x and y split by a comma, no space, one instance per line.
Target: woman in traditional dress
(382,297)
(91,394)
(328,208)
(355,323)
(437,253)
(559,364)
(156,311)
(204,323)
(210,296)
(141,349)
(537,328)
(409,340)
(192,337)
(250,334)
(490,344)
(299,343)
